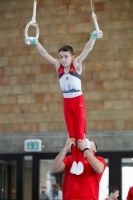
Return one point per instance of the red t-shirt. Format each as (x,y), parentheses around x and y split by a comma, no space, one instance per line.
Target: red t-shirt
(84,186)
(130,194)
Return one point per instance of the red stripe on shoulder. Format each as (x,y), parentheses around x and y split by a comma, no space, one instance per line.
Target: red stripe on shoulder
(61,70)
(72,69)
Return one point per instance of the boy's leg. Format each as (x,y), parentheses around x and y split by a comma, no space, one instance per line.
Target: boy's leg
(70,123)
(80,120)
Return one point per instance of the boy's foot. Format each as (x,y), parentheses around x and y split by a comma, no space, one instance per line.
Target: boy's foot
(80,168)
(73,168)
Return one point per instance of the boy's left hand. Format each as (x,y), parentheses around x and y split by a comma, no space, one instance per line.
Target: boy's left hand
(96,34)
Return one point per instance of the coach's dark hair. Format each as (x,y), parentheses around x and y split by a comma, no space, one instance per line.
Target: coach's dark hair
(95,144)
(67,48)
(113,189)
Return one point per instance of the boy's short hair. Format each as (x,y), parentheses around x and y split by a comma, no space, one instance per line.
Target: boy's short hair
(113,189)
(67,48)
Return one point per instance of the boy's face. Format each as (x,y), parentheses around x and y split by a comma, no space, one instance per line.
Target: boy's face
(65,58)
(115,194)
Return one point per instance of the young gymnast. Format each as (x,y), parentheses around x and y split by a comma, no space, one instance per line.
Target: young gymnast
(69,69)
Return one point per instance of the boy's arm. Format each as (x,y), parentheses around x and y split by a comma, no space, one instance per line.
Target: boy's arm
(43,52)
(47,56)
(88,47)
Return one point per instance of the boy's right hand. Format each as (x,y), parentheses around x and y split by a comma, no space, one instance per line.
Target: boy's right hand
(31,40)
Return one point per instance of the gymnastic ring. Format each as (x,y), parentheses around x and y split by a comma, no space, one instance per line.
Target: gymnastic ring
(27,27)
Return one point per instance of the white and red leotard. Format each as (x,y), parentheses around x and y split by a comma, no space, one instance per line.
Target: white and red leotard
(74,107)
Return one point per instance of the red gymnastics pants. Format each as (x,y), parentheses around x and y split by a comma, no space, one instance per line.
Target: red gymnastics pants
(74,112)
